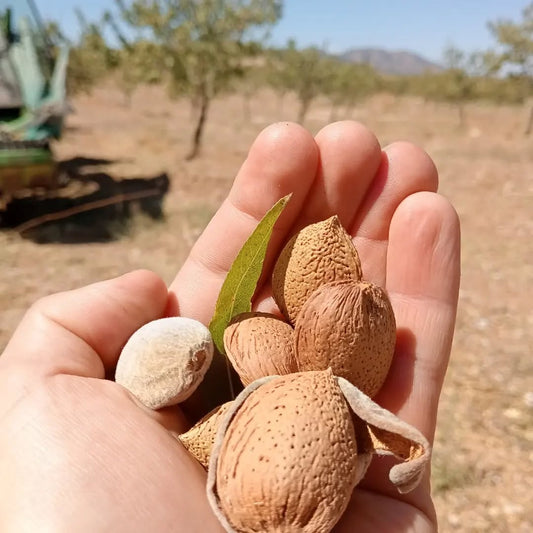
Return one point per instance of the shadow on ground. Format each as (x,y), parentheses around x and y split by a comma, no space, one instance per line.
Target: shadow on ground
(102,214)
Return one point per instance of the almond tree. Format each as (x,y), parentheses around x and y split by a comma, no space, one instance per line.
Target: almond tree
(203,43)
(457,85)
(139,60)
(138,63)
(515,51)
(254,79)
(91,59)
(304,72)
(348,84)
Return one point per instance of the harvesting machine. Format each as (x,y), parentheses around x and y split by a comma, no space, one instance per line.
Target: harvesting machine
(32,108)
(32,99)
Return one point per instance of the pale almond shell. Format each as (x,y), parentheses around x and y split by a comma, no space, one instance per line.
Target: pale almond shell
(381,432)
(165,360)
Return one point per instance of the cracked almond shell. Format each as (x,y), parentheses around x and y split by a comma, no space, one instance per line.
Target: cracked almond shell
(350,328)
(265,486)
(287,460)
(319,253)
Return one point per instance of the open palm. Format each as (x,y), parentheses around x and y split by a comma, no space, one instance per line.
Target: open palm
(77,453)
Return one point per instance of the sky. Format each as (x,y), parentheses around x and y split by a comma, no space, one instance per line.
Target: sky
(422,26)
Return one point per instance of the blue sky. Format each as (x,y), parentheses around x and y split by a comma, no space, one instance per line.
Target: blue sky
(422,26)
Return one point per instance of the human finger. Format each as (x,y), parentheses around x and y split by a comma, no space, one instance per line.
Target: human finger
(404,170)
(423,273)
(365,192)
(81,332)
(349,158)
(282,160)
(423,267)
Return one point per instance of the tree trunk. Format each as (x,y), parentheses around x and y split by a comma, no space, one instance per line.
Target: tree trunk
(281,99)
(247,107)
(128,99)
(333,113)
(194,108)
(198,132)
(302,112)
(348,110)
(462,114)
(529,125)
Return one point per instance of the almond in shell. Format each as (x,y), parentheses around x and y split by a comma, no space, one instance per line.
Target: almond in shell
(290,449)
(350,328)
(319,253)
(258,345)
(287,460)
(199,440)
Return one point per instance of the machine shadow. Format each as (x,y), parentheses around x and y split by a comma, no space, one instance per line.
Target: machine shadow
(103,214)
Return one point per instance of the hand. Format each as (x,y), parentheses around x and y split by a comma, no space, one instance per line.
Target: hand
(77,453)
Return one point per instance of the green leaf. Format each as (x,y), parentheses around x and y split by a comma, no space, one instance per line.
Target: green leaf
(241,281)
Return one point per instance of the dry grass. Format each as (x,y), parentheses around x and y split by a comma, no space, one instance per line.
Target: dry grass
(483,454)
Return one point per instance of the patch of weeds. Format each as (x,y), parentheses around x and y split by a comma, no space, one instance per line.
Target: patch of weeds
(447,475)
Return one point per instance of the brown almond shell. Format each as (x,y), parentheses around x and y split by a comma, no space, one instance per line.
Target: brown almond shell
(377,431)
(258,345)
(199,439)
(285,457)
(350,328)
(319,253)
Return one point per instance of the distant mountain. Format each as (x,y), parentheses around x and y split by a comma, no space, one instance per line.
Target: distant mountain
(390,62)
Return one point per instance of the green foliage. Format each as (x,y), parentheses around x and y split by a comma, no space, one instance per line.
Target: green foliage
(203,43)
(91,59)
(397,85)
(139,63)
(475,76)
(241,281)
(508,90)
(304,72)
(255,78)
(310,72)
(457,83)
(515,50)
(515,41)
(349,83)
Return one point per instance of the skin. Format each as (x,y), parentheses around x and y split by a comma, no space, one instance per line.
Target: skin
(77,453)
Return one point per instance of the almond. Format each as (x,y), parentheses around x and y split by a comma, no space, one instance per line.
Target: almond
(258,345)
(287,453)
(350,328)
(320,253)
(165,360)
(200,438)
(287,458)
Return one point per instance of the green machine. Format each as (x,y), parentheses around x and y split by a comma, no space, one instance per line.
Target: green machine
(32,99)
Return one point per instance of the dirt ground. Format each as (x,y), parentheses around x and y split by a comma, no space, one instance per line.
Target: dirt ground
(483,456)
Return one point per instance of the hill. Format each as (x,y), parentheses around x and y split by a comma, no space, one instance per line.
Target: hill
(390,62)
